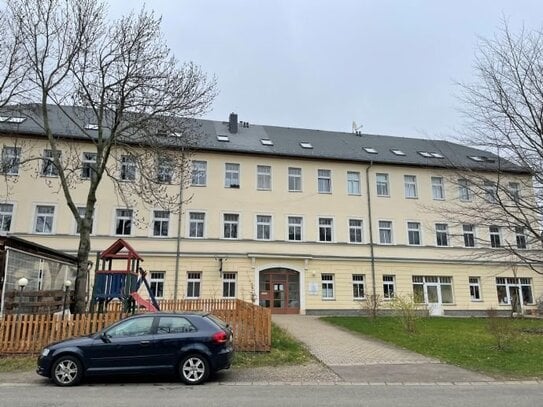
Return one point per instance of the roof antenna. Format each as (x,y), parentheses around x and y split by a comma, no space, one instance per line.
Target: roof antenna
(357,129)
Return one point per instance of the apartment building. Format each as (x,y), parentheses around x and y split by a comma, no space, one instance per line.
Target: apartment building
(298,220)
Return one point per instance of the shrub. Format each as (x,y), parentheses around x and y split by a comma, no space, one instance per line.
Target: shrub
(409,310)
(501,329)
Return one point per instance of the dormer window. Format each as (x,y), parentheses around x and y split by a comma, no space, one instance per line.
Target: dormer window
(16,119)
(425,154)
(437,155)
(223,138)
(91,126)
(305,144)
(397,152)
(370,150)
(266,142)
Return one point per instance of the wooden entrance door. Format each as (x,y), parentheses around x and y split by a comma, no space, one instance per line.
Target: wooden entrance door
(280,291)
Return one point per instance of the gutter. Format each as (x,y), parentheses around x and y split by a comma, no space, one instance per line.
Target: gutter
(370,225)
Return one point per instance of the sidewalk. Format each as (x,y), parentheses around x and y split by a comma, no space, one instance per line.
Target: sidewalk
(355,358)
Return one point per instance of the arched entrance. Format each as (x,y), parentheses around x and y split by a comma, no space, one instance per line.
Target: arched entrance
(279,289)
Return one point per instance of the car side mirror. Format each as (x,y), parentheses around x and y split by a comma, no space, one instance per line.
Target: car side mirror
(105,337)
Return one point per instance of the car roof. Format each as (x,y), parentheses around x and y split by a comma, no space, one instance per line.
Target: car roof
(171,314)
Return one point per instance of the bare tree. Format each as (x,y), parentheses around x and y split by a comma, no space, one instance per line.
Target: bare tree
(118,87)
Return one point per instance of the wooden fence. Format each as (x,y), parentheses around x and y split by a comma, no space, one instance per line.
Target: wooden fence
(28,334)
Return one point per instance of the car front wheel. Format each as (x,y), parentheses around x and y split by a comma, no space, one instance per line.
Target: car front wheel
(67,371)
(194,369)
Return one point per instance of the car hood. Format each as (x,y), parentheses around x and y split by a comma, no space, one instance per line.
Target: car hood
(72,342)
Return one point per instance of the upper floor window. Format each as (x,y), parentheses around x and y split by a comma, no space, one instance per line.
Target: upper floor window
(231,175)
(196,224)
(469,235)
(490,191)
(6,216)
(45,216)
(520,237)
(88,165)
(295,228)
(514,191)
(495,236)
(355,231)
(382,185)
(230,225)
(199,173)
(263,177)
(156,283)
(410,182)
(11,159)
(263,227)
(164,170)
(438,191)
(385,232)
(464,191)
(413,233)
(442,234)
(353,183)
(294,179)
(161,223)
(48,167)
(123,222)
(128,168)
(325,229)
(325,181)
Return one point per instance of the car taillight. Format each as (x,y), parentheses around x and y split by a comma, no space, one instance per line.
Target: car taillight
(219,337)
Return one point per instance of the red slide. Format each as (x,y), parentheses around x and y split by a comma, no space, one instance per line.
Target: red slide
(143,302)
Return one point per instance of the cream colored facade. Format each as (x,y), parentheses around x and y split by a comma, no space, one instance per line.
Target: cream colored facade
(324,270)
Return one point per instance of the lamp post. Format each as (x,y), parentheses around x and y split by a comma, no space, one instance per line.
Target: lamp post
(67,285)
(21,283)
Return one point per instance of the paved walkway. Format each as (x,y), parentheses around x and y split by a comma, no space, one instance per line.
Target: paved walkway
(357,358)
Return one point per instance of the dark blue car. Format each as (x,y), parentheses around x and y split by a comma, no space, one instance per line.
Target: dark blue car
(192,345)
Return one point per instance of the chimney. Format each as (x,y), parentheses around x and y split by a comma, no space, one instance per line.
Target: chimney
(233,123)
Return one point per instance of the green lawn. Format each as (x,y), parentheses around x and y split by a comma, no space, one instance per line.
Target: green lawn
(464,342)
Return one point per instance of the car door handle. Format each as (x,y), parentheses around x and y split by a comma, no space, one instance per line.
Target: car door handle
(145,343)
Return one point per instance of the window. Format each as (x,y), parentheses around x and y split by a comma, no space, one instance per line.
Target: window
(266,142)
(514,291)
(174,325)
(495,236)
(464,191)
(193,285)
(263,177)
(521,237)
(410,182)
(325,229)
(156,283)
(382,184)
(438,193)
(475,288)
(11,159)
(469,235)
(294,179)
(389,288)
(223,138)
(6,215)
(413,233)
(355,230)
(490,191)
(231,175)
(132,327)
(128,168)
(425,154)
(229,285)
(385,232)
(397,152)
(88,165)
(432,289)
(164,170)
(325,181)
(353,183)
(199,173)
(370,150)
(161,222)
(514,191)
(81,210)
(295,228)
(305,144)
(442,234)
(45,216)
(358,287)
(327,286)
(263,227)
(196,224)
(123,222)
(48,168)
(231,224)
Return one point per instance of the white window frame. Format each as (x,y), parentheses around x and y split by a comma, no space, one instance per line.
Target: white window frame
(520,236)
(295,225)
(164,170)
(389,286)
(434,281)
(464,190)
(357,229)
(48,168)
(198,223)
(264,177)
(358,282)
(296,179)
(495,232)
(353,183)
(87,164)
(469,232)
(490,192)
(232,173)
(324,181)
(514,191)
(329,226)
(231,222)
(442,229)
(11,160)
(475,292)
(384,228)
(128,168)
(438,188)
(410,186)
(162,220)
(199,173)
(229,280)
(124,217)
(261,225)
(156,280)
(514,282)
(194,283)
(328,292)
(4,215)
(51,216)
(382,182)
(414,230)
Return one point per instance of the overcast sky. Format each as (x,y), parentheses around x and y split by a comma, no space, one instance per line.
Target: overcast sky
(388,65)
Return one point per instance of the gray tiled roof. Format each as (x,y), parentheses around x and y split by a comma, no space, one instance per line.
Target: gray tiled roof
(326,145)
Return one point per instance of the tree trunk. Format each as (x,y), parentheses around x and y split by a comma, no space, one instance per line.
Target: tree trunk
(82,268)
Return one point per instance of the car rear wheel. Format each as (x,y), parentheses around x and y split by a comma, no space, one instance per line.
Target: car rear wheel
(194,369)
(67,371)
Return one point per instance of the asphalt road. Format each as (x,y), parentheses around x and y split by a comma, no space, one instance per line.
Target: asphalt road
(326,394)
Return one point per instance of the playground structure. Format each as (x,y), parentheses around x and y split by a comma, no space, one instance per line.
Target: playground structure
(121,283)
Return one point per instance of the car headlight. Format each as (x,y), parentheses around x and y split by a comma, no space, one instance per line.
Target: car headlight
(45,352)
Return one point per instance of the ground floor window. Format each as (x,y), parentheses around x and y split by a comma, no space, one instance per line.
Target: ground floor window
(388,287)
(229,285)
(193,285)
(475,288)
(358,287)
(327,286)
(432,289)
(513,291)
(156,283)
